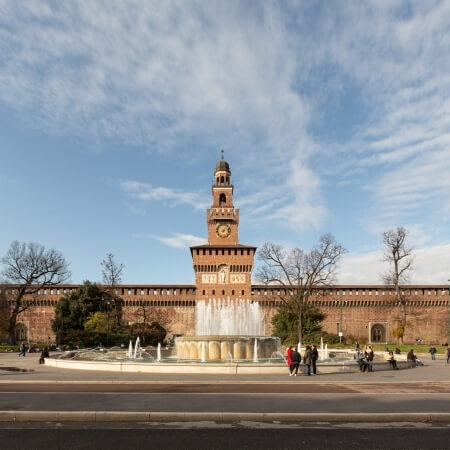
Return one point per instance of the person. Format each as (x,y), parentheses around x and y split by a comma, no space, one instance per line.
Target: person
(390,358)
(357,346)
(359,358)
(369,355)
(412,358)
(289,351)
(315,357)
(307,359)
(22,349)
(44,354)
(433,352)
(397,351)
(448,354)
(295,362)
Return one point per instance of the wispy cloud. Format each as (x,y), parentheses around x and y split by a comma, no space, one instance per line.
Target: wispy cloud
(178,240)
(431,264)
(146,192)
(263,80)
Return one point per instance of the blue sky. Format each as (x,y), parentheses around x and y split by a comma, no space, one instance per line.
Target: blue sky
(333,119)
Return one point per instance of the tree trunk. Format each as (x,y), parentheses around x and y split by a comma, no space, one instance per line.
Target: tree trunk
(12,327)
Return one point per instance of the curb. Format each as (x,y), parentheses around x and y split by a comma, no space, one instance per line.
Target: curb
(218,417)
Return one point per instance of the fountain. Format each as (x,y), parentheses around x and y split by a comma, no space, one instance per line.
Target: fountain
(158,352)
(227,327)
(323,352)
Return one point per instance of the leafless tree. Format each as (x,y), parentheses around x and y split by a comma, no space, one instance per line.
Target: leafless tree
(146,315)
(400,258)
(29,268)
(112,276)
(299,273)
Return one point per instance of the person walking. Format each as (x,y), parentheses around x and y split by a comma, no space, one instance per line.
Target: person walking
(22,349)
(289,351)
(448,354)
(315,357)
(307,359)
(296,359)
(433,352)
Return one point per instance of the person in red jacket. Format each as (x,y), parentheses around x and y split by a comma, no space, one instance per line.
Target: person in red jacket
(289,351)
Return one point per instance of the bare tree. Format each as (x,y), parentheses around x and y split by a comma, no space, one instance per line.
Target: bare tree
(28,269)
(148,315)
(299,273)
(400,258)
(112,276)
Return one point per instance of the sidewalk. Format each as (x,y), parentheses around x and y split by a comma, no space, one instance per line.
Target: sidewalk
(27,369)
(34,392)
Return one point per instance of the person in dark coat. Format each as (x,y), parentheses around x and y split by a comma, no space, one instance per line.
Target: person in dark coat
(22,349)
(369,355)
(412,358)
(44,355)
(433,352)
(315,357)
(295,362)
(307,359)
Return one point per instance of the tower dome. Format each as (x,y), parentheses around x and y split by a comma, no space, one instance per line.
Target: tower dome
(222,165)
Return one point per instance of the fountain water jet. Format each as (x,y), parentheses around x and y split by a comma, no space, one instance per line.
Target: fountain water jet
(225,326)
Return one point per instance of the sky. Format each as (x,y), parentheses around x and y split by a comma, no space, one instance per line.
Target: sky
(333,116)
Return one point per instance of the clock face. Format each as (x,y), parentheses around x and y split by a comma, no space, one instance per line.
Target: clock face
(223,230)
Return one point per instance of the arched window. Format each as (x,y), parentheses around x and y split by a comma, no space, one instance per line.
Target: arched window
(378,333)
(222,199)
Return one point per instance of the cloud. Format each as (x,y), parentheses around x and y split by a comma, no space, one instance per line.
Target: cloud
(146,192)
(431,266)
(178,240)
(265,80)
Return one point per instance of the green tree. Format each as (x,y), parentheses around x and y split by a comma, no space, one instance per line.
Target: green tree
(286,322)
(96,323)
(74,309)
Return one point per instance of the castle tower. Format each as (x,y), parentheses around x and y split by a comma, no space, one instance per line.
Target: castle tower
(222,267)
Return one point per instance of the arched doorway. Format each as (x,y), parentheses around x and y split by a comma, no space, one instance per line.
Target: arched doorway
(21,332)
(378,333)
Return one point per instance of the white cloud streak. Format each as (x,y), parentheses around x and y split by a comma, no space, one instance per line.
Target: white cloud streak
(257,78)
(178,240)
(146,192)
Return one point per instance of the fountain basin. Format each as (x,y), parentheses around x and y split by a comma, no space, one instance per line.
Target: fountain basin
(226,348)
(241,368)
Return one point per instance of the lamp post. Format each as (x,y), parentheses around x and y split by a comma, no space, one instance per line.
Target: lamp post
(107,323)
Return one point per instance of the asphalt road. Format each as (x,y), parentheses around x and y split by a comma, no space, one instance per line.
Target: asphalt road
(27,386)
(235,436)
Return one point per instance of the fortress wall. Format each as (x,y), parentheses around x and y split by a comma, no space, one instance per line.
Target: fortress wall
(358,309)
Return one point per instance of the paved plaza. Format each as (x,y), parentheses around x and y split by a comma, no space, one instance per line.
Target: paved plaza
(31,391)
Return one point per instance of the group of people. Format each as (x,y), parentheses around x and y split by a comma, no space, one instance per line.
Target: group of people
(44,353)
(294,358)
(365,358)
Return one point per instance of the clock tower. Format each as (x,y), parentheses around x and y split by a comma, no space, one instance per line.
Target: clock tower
(222,266)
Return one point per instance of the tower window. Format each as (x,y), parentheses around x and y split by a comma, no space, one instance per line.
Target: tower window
(222,199)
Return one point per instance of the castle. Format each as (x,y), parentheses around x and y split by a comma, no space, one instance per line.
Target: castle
(223,269)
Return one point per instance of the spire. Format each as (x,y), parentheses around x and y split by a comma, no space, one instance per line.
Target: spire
(222,157)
